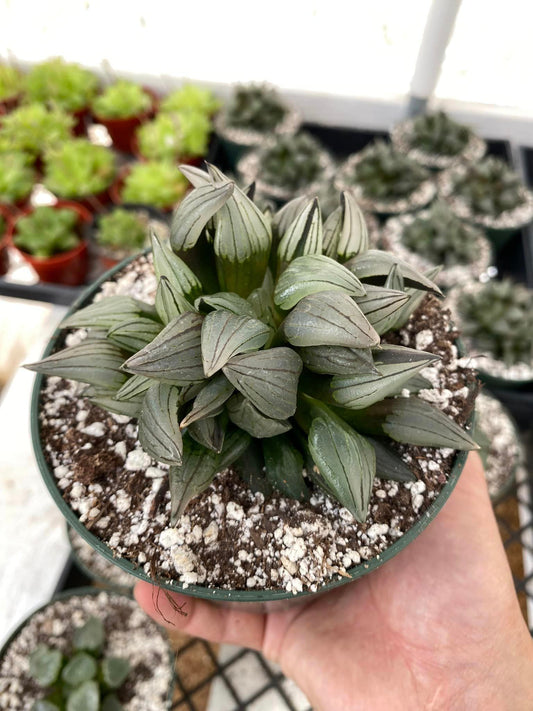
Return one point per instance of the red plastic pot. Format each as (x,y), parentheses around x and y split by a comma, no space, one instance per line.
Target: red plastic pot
(68,268)
(6,215)
(122,130)
(80,121)
(9,104)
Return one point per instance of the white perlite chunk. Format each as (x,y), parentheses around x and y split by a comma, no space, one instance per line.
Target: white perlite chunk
(95,429)
(137,459)
(424,339)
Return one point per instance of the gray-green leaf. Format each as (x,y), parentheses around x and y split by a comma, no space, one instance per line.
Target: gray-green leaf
(225,300)
(338,360)
(193,476)
(85,698)
(134,388)
(169,302)
(159,430)
(168,264)
(79,668)
(90,636)
(284,467)
(106,313)
(194,212)
(376,264)
(284,217)
(133,334)
(389,465)
(45,664)
(246,416)
(115,671)
(210,399)
(303,236)
(208,432)
(381,306)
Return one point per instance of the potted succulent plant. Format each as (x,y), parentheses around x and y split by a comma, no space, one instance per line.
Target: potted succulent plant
(11,85)
(253,113)
(65,85)
(156,183)
(99,570)
(190,97)
(436,236)
(386,181)
(34,129)
(500,448)
(5,221)
(496,319)
(17,178)
(81,171)
(218,414)
(437,141)
(86,651)
(121,108)
(180,137)
(489,194)
(50,238)
(287,166)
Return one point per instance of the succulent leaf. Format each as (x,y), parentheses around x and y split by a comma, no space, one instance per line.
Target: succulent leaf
(196,472)
(45,664)
(79,668)
(394,279)
(235,444)
(250,467)
(134,333)
(345,230)
(194,212)
(106,313)
(106,399)
(169,301)
(168,264)
(245,415)
(210,399)
(303,236)
(338,360)
(90,636)
(159,430)
(262,301)
(85,697)
(389,465)
(416,297)
(284,467)
(208,432)
(376,265)
(115,671)
(225,300)
(284,217)
(134,388)
(381,306)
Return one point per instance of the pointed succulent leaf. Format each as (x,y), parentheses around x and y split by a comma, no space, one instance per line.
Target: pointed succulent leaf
(90,636)
(269,379)
(329,319)
(245,415)
(196,176)
(94,362)
(313,274)
(346,462)
(134,388)
(194,212)
(284,467)
(190,391)
(45,665)
(106,399)
(353,237)
(169,301)
(381,306)
(396,365)
(338,360)
(208,432)
(303,236)
(79,668)
(376,265)
(225,335)
(85,697)
(288,213)
(168,264)
(331,233)
(236,442)
(395,279)
(115,671)
(106,313)
(225,300)
(193,476)
(250,468)
(389,464)
(159,430)
(133,334)
(262,301)
(210,399)
(174,355)
(415,299)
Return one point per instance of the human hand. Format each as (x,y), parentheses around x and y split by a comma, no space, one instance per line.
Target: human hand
(436,628)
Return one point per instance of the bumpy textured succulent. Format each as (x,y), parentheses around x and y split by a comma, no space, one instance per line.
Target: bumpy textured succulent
(35,129)
(156,183)
(292,162)
(47,231)
(385,174)
(170,136)
(17,176)
(263,350)
(498,317)
(438,133)
(78,168)
(10,82)
(122,100)
(121,229)
(256,108)
(190,98)
(489,187)
(84,680)
(441,237)
(59,83)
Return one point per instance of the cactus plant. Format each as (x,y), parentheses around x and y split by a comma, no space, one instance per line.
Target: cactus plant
(122,99)
(78,169)
(47,231)
(190,98)
(156,183)
(58,83)
(255,107)
(281,364)
(34,129)
(17,177)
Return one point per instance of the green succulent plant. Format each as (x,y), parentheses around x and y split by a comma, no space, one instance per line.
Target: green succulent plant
(291,162)
(123,99)
(11,82)
(122,230)
(47,231)
(17,176)
(34,129)
(170,136)
(385,174)
(498,318)
(156,183)
(190,98)
(61,84)
(269,356)
(79,169)
(255,107)
(489,187)
(438,133)
(441,237)
(85,679)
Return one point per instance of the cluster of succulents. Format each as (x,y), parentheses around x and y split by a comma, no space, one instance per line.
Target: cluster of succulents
(35,129)
(173,135)
(85,679)
(17,176)
(438,133)
(498,318)
(155,183)
(489,187)
(78,169)
(59,83)
(47,231)
(122,229)
(291,162)
(10,82)
(269,356)
(122,99)
(255,107)
(190,98)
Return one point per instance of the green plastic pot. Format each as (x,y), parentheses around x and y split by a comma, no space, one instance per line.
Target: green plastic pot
(79,592)
(254,599)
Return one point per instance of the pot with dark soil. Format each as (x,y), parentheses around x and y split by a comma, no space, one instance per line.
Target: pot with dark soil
(190,423)
(86,650)
(97,568)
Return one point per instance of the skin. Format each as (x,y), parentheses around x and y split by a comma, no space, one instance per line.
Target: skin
(436,628)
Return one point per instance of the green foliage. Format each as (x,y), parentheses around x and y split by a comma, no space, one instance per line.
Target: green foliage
(47,231)
(35,129)
(292,162)
(173,135)
(16,176)
(190,98)
(122,230)
(58,83)
(438,133)
(123,99)
(385,174)
(154,183)
(79,169)
(256,108)
(498,317)
(268,370)
(489,187)
(441,237)
(11,81)
(82,680)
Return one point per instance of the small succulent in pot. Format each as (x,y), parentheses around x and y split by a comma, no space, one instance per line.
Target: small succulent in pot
(33,128)
(287,166)
(190,97)
(17,177)
(122,232)
(386,181)
(437,141)
(436,236)
(11,85)
(59,83)
(156,183)
(174,136)
(123,99)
